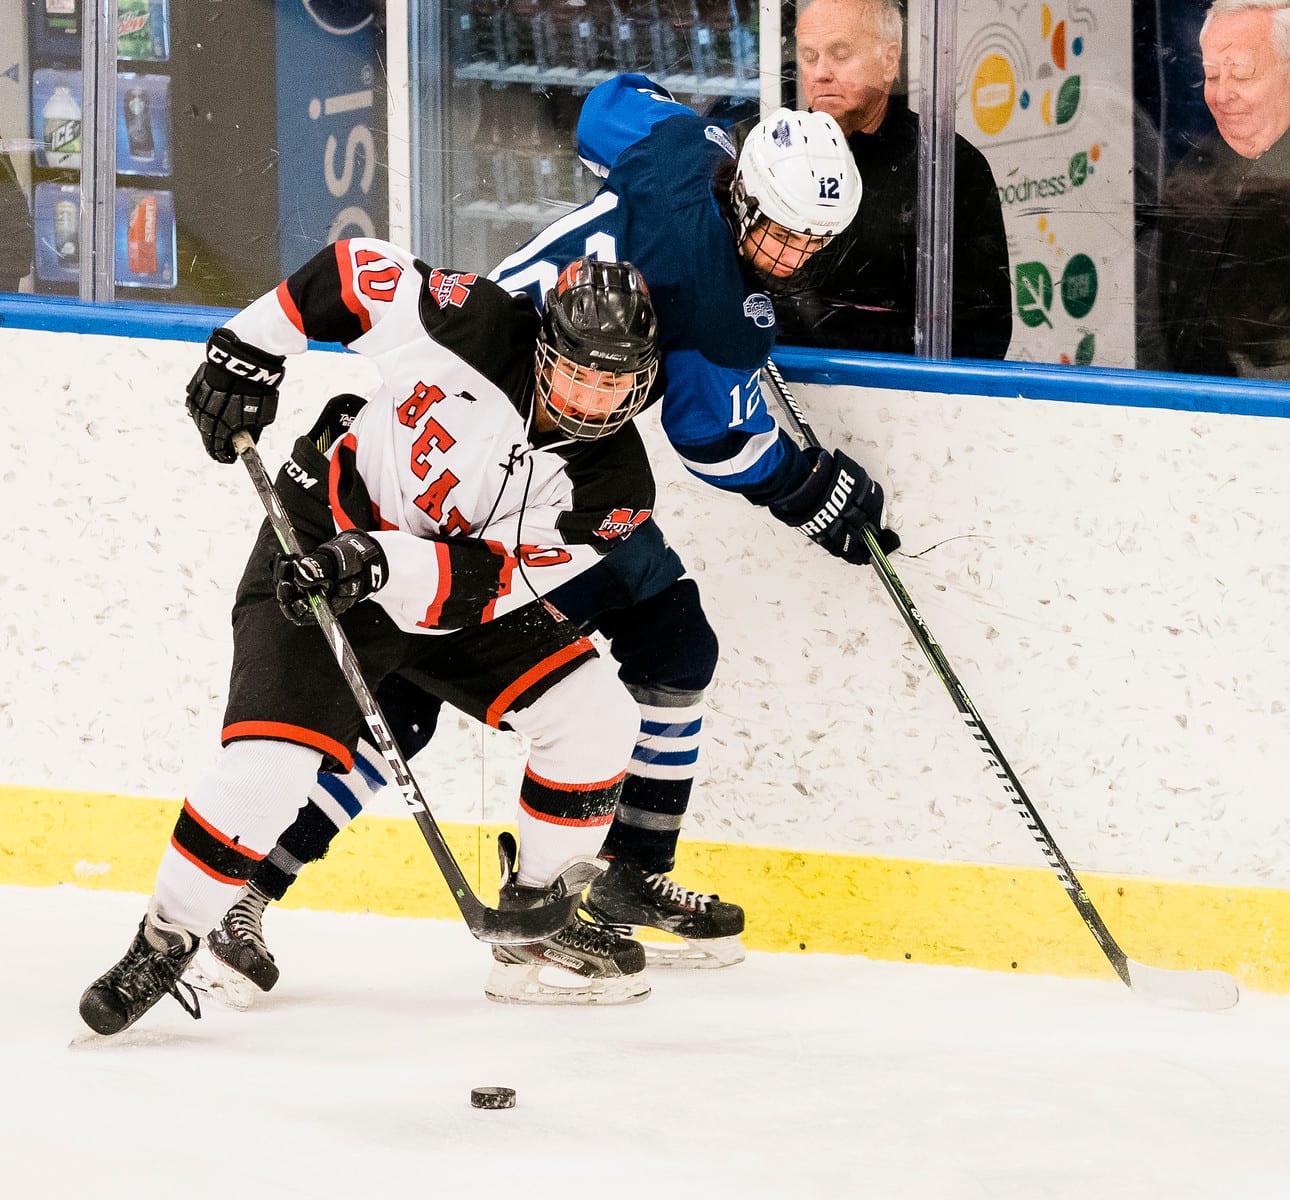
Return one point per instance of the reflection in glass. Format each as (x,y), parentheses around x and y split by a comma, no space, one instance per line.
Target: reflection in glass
(1222,270)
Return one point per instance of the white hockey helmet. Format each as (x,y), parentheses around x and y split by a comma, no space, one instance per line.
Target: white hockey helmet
(796,170)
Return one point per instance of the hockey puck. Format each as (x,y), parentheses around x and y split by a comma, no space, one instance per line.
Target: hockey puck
(492,1097)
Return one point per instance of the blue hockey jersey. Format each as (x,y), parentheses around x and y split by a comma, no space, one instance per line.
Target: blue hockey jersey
(716,326)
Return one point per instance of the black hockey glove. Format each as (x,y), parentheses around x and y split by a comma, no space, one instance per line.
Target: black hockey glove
(343,571)
(235,388)
(834,504)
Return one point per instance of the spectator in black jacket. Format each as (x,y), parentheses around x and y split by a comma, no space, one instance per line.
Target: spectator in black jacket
(848,58)
(16,238)
(1224,230)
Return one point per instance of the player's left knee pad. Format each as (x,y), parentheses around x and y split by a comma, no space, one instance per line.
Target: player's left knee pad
(665,641)
(582,730)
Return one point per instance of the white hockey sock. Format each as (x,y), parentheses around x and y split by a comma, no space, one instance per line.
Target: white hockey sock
(244,802)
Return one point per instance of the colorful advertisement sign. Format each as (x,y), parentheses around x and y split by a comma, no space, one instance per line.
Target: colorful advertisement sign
(1045,91)
(332,178)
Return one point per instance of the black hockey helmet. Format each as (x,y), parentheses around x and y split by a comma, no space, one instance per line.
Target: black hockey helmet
(597,354)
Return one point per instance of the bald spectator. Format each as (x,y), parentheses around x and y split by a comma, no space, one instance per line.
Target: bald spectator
(1224,240)
(848,60)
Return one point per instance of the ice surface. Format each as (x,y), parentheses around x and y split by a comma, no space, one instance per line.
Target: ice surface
(784,1077)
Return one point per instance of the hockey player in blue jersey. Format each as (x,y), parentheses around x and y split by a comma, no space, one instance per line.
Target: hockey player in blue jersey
(715,237)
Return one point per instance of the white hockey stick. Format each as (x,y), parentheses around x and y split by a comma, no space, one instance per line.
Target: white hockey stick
(1207,991)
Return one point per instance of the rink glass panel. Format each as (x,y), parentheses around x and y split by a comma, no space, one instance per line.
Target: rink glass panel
(242,135)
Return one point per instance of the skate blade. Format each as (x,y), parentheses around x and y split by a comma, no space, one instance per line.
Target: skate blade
(216,979)
(540,983)
(695,954)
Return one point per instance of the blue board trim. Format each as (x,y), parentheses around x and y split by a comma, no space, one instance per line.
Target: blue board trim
(964,377)
(1037,381)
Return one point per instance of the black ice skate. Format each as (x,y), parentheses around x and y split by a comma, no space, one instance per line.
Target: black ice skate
(634,896)
(586,962)
(235,963)
(150,969)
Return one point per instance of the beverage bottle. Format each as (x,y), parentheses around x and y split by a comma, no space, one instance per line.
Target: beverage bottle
(61,121)
(141,236)
(134,31)
(67,232)
(61,18)
(138,124)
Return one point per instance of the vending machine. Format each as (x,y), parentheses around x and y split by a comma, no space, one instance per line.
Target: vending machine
(247,137)
(516,74)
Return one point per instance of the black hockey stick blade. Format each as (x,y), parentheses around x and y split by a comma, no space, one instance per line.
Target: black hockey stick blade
(486,924)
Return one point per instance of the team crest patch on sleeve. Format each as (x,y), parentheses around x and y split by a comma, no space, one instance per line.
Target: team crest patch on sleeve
(450,287)
(759,310)
(714,133)
(621,522)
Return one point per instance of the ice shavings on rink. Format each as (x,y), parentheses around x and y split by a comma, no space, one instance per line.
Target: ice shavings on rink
(787,1076)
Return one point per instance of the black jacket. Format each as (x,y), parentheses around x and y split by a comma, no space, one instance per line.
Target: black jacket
(1223,266)
(16,238)
(865,298)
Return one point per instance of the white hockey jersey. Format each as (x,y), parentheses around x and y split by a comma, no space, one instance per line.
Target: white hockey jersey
(445,449)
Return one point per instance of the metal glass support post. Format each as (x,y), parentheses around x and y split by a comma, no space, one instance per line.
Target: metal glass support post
(933,311)
(770,58)
(98,150)
(427,161)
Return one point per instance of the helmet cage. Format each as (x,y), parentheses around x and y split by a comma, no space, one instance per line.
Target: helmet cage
(596,357)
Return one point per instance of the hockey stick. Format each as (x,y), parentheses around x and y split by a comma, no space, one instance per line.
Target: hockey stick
(1204,990)
(487,924)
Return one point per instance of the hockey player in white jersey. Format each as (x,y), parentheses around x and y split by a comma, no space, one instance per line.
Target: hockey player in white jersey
(492,464)
(714,237)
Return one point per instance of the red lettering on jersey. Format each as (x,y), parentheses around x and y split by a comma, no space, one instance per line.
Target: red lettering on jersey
(454,523)
(418,404)
(377,284)
(621,522)
(433,437)
(432,499)
(450,287)
(544,556)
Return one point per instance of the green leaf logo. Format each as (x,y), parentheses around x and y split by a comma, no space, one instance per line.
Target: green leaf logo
(1079,286)
(1067,100)
(1034,294)
(1084,351)
(1078,169)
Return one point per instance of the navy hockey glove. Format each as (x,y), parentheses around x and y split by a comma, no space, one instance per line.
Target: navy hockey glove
(235,388)
(834,504)
(343,571)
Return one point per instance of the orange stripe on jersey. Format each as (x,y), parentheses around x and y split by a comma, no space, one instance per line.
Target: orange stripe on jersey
(499,706)
(348,293)
(279,731)
(289,307)
(580,822)
(574,787)
(205,868)
(219,837)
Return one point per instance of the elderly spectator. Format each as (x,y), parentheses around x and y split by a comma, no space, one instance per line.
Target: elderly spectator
(848,59)
(1224,243)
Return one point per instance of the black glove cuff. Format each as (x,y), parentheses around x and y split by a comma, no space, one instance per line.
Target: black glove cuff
(235,365)
(801,505)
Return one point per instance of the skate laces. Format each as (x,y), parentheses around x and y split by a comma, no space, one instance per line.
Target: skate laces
(243,920)
(591,934)
(144,971)
(674,893)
